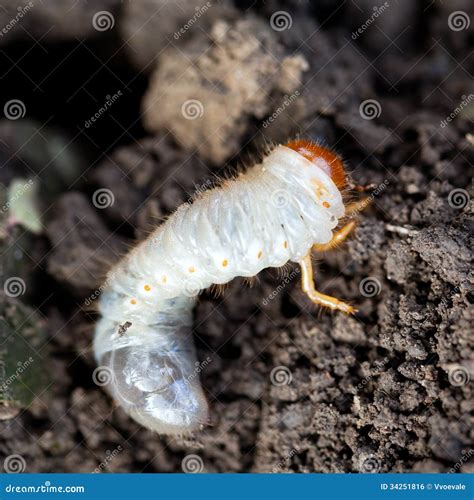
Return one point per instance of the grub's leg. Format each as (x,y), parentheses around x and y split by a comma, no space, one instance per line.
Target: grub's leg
(307,284)
(338,237)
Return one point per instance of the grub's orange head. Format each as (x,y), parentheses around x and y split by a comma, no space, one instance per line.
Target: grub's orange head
(331,164)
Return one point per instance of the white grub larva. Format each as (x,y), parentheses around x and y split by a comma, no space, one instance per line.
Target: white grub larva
(278,211)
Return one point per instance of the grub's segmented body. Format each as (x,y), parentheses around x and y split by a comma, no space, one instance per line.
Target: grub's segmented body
(266,217)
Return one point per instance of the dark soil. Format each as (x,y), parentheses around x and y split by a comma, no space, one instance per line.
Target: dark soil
(388,390)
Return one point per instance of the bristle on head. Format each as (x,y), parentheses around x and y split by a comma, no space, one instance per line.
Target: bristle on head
(332,164)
